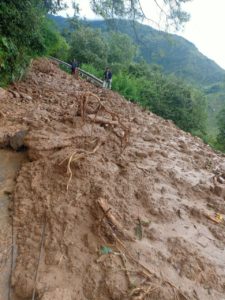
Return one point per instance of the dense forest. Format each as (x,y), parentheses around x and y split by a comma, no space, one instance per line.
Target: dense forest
(139,72)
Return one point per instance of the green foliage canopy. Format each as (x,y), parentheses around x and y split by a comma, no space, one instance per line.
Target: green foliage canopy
(88,46)
(221,126)
(121,48)
(24,33)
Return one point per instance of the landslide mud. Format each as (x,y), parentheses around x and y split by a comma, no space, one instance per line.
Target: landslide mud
(10,163)
(115,202)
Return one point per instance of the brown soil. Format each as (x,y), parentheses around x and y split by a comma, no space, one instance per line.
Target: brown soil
(115,202)
(10,163)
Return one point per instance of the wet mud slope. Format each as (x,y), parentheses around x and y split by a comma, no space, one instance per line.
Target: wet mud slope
(10,163)
(114,202)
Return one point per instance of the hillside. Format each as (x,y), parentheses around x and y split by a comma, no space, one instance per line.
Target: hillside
(112,202)
(175,54)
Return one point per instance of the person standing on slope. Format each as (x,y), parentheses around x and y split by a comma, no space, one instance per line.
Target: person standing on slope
(107,83)
(74,69)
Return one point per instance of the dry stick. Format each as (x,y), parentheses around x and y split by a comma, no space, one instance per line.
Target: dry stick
(104,216)
(105,208)
(149,291)
(76,156)
(123,259)
(126,130)
(146,271)
(39,258)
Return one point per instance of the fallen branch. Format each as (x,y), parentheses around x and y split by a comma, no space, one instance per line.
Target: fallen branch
(146,271)
(114,223)
(75,156)
(126,130)
(123,259)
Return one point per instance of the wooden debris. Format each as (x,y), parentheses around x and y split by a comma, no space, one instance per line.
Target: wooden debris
(114,223)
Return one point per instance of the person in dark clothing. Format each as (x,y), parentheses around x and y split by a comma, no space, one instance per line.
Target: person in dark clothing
(107,83)
(73,67)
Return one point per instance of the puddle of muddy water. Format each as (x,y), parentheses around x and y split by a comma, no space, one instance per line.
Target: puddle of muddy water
(10,163)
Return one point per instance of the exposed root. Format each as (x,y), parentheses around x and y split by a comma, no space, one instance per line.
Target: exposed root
(142,293)
(115,117)
(146,272)
(123,259)
(75,156)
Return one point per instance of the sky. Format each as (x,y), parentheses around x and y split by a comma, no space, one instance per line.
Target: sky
(206,28)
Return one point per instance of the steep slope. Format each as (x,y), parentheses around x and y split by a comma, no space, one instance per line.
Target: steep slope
(115,202)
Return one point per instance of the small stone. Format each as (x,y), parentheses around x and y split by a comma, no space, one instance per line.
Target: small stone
(145,222)
(141,154)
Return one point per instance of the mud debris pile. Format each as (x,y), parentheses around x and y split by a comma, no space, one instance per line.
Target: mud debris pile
(114,202)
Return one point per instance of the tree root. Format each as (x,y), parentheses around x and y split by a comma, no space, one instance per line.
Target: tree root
(146,272)
(115,117)
(75,156)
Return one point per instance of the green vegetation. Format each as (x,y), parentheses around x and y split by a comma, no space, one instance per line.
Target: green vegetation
(25,32)
(173,53)
(221,126)
(88,46)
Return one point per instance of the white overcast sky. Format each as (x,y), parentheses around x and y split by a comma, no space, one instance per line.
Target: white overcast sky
(206,28)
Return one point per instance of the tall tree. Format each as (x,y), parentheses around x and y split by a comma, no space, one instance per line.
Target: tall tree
(121,48)
(88,46)
(21,34)
(221,126)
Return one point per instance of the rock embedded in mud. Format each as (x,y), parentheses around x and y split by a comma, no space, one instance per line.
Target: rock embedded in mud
(16,141)
(141,154)
(25,96)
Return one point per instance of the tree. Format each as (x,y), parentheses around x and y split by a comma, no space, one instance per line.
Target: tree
(21,34)
(88,46)
(53,42)
(172,99)
(121,48)
(221,126)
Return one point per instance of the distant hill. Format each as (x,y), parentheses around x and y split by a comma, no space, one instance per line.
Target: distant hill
(173,53)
